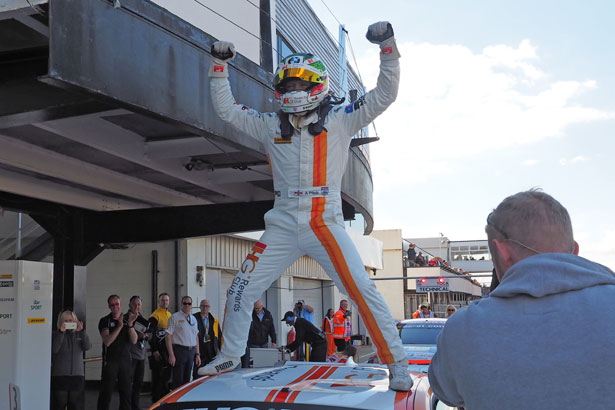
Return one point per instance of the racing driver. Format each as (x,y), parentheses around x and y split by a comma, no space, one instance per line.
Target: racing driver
(307,142)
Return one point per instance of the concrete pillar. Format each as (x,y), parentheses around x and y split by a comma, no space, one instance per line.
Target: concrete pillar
(285,298)
(195,273)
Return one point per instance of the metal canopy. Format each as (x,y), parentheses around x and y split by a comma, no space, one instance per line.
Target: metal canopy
(107,112)
(106,108)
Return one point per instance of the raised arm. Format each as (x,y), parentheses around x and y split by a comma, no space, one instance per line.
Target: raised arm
(363,111)
(247,120)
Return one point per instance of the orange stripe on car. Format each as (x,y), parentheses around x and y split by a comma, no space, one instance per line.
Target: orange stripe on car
(328,241)
(401,400)
(177,394)
(272,393)
(282,395)
(327,373)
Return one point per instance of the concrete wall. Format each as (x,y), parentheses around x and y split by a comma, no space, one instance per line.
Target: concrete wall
(391,290)
(436,246)
(126,273)
(474,266)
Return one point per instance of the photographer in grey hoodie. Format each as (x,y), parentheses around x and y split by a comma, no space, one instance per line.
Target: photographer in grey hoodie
(528,346)
(68,343)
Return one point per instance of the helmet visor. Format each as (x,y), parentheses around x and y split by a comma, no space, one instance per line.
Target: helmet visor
(300,73)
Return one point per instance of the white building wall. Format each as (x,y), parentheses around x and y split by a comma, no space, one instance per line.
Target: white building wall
(391,290)
(125,272)
(437,246)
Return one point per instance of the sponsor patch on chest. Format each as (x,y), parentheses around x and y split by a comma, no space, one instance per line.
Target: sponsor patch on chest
(282,140)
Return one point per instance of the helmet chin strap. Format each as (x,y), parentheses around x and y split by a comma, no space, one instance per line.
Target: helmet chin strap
(300,120)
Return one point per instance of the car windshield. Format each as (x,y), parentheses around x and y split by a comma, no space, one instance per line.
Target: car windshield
(424,333)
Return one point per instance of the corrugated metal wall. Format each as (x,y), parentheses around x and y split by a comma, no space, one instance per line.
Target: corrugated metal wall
(301,28)
(299,25)
(229,252)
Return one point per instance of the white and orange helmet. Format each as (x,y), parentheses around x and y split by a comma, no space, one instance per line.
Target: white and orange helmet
(306,67)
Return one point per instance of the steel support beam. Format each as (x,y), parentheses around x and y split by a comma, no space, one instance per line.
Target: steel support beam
(89,229)
(143,225)
(33,158)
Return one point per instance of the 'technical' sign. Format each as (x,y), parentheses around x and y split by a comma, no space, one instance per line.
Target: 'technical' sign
(436,285)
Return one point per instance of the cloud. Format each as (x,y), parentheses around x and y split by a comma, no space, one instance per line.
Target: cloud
(599,247)
(457,104)
(529,162)
(565,161)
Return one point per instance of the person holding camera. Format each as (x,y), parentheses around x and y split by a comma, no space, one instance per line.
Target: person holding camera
(118,334)
(306,332)
(68,343)
(303,310)
(138,350)
(341,322)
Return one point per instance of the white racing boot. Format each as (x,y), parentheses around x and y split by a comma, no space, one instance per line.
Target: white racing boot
(220,364)
(399,378)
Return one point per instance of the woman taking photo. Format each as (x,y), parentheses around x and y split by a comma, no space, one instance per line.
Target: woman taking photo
(69,342)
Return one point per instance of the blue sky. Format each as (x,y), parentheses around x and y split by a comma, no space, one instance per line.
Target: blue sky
(496,97)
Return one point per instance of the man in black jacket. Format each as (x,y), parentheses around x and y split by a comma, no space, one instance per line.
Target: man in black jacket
(118,334)
(305,331)
(262,327)
(209,335)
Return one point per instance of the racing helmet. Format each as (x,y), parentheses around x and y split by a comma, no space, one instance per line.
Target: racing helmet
(306,67)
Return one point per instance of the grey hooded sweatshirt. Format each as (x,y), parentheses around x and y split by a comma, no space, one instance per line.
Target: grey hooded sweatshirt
(544,339)
(67,353)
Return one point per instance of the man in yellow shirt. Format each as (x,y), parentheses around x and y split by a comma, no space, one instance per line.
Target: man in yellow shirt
(158,361)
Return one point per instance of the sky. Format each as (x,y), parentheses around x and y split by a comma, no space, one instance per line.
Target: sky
(496,97)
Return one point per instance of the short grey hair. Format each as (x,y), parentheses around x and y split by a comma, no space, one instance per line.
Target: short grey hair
(534,218)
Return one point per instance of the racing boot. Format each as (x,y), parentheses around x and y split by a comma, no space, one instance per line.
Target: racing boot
(399,378)
(220,364)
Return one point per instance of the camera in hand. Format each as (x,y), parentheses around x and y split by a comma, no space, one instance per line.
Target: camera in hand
(348,313)
(70,325)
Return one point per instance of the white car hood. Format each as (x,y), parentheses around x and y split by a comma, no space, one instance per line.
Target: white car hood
(296,385)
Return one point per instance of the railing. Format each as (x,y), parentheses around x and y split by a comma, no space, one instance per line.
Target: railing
(440,309)
(11,241)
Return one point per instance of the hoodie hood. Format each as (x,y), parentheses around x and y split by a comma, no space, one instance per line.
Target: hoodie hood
(552,273)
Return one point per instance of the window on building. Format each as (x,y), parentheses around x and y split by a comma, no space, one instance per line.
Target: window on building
(470,253)
(283,48)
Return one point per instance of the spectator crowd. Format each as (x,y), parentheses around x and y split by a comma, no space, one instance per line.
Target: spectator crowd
(179,344)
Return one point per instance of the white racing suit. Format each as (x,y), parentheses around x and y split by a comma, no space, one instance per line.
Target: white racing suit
(307,215)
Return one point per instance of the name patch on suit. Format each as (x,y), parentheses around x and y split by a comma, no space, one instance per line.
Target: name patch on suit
(280,140)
